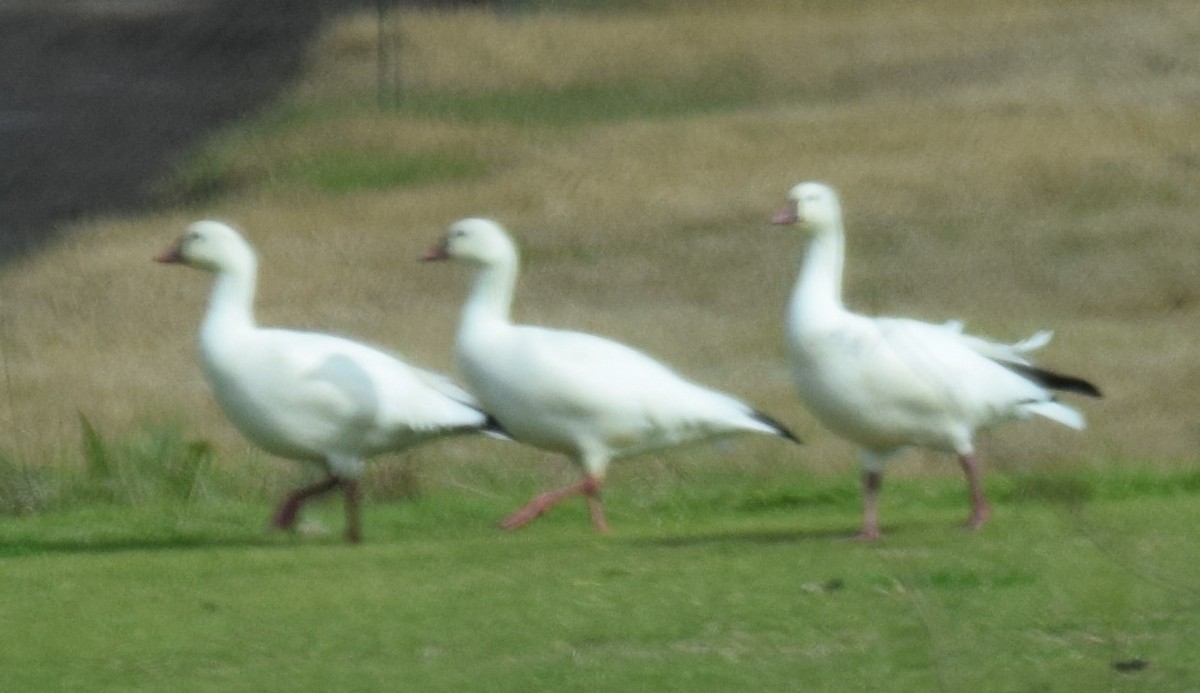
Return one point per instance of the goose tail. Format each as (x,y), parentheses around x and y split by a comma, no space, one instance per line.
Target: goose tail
(494,429)
(1057,411)
(1053,381)
(774,426)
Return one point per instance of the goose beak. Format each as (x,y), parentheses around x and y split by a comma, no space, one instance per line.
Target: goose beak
(436,253)
(785,216)
(172,255)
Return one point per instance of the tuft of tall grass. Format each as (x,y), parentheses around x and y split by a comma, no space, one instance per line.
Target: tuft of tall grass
(160,466)
(24,488)
(157,466)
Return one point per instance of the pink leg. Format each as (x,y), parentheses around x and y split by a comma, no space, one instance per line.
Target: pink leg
(587,486)
(980,510)
(591,489)
(353,511)
(872,481)
(289,509)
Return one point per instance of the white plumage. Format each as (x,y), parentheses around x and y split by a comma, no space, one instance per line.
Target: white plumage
(888,383)
(307,396)
(589,398)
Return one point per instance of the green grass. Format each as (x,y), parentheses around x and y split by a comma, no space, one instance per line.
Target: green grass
(339,172)
(331,170)
(1050,596)
(156,465)
(147,565)
(222,166)
(585,104)
(143,563)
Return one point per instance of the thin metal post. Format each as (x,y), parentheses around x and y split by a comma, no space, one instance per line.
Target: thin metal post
(387,57)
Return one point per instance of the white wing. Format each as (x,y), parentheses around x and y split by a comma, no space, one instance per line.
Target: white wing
(303,394)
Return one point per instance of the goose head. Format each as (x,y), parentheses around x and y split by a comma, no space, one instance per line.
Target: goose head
(477,242)
(210,246)
(812,207)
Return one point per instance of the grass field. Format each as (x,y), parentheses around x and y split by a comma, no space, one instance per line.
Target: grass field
(1018,165)
(742,581)
(699,589)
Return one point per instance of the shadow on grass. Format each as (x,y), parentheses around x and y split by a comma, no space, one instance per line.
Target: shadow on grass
(19,548)
(747,536)
(764,536)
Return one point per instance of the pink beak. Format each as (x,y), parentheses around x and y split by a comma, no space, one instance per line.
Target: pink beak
(436,253)
(785,215)
(171,255)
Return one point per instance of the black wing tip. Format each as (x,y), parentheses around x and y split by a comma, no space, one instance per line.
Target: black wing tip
(1054,381)
(489,426)
(1069,383)
(780,430)
(492,425)
(1088,389)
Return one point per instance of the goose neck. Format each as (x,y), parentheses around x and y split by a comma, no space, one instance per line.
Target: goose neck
(231,306)
(491,295)
(818,291)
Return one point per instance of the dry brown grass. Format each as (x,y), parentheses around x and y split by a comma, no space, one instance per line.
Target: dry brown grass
(1018,165)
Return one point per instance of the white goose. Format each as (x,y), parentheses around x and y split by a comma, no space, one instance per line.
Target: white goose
(306,396)
(589,398)
(888,383)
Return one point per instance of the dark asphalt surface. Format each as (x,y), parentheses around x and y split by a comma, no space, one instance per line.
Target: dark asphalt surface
(99,97)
